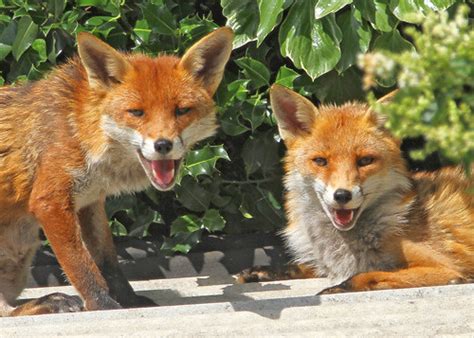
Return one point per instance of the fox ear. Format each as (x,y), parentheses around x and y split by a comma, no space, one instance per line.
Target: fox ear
(294,113)
(104,65)
(378,118)
(206,59)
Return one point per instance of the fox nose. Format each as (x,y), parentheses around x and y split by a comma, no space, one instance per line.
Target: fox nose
(342,196)
(163,146)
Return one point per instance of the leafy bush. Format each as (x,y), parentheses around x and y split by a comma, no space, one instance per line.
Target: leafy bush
(436,84)
(233,182)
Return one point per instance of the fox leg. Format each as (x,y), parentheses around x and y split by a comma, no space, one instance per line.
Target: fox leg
(19,241)
(52,204)
(98,238)
(405,278)
(267,273)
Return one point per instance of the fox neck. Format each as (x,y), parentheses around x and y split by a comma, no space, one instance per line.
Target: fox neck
(314,240)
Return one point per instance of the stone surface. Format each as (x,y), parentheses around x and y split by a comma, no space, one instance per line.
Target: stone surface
(198,307)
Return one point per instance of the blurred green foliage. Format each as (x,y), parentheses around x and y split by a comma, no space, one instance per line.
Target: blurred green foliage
(232,182)
(436,81)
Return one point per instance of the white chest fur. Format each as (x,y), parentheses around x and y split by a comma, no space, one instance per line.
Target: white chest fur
(115,172)
(313,240)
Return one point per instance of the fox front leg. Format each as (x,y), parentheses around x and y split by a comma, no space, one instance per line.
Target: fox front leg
(52,204)
(403,278)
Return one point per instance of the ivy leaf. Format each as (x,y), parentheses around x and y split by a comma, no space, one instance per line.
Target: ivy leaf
(286,76)
(25,36)
(312,45)
(243,17)
(160,19)
(203,161)
(260,151)
(325,7)
(4,50)
(192,195)
(410,10)
(213,221)
(393,42)
(356,36)
(182,242)
(377,12)
(269,14)
(186,224)
(255,70)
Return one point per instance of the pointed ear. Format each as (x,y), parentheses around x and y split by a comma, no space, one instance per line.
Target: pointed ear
(387,98)
(294,113)
(378,118)
(104,65)
(206,59)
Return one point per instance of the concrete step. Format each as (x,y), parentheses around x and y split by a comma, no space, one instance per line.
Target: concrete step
(198,307)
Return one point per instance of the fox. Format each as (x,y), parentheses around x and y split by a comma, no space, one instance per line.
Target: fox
(104,123)
(356,214)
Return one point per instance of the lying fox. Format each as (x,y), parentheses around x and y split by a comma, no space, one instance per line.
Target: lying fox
(103,124)
(355,213)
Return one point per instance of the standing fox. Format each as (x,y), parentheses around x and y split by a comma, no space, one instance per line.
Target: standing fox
(355,213)
(103,124)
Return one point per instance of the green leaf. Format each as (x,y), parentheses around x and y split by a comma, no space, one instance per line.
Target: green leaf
(392,42)
(26,34)
(56,7)
(255,71)
(203,161)
(260,151)
(413,10)
(192,195)
(325,7)
(339,88)
(230,121)
(117,228)
(242,16)
(269,14)
(312,45)
(212,221)
(8,35)
(356,36)
(185,223)
(160,19)
(378,13)
(39,45)
(4,50)
(182,242)
(286,76)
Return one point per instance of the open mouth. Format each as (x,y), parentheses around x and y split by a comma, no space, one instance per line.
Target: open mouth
(162,173)
(344,219)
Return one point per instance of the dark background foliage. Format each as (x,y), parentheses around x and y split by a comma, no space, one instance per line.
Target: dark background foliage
(232,182)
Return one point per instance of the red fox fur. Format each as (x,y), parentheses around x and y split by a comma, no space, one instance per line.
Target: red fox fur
(356,214)
(103,124)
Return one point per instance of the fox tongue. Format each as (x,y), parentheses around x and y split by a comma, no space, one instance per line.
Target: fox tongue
(163,171)
(344,216)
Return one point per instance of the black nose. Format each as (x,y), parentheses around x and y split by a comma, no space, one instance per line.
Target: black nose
(163,146)
(342,196)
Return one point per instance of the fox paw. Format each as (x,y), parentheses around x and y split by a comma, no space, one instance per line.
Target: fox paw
(53,303)
(340,288)
(256,274)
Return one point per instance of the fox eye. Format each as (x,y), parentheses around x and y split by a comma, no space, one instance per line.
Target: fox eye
(181,111)
(320,161)
(136,112)
(365,161)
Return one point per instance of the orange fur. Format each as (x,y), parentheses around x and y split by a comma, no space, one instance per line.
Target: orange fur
(405,229)
(88,130)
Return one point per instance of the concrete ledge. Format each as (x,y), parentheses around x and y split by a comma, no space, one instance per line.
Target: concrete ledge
(190,307)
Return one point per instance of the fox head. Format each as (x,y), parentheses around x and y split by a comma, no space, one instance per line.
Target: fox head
(342,154)
(156,107)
